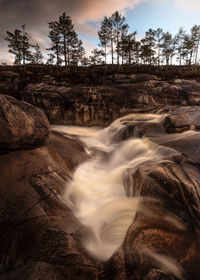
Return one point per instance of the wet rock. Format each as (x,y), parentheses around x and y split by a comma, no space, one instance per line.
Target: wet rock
(38,232)
(21,125)
(182,119)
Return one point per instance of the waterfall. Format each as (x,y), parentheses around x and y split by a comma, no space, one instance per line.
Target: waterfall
(96,194)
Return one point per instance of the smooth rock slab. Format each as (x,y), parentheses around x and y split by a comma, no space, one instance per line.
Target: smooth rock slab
(21,125)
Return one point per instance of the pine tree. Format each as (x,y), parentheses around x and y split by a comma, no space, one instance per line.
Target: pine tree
(195,37)
(55,37)
(148,47)
(96,57)
(167,46)
(19,45)
(50,60)
(158,36)
(37,54)
(179,38)
(112,30)
(127,47)
(78,53)
(65,42)
(85,61)
(69,38)
(120,29)
(104,36)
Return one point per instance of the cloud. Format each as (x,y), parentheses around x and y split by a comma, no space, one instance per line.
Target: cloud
(89,46)
(95,10)
(87,29)
(6,57)
(192,5)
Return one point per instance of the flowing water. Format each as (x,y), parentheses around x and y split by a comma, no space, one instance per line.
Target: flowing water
(96,194)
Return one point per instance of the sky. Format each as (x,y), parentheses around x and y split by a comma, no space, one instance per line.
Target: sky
(87,15)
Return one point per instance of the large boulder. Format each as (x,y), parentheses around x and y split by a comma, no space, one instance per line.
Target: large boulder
(21,125)
(182,119)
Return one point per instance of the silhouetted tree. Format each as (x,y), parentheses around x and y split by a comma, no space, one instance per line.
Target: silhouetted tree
(55,37)
(37,54)
(51,59)
(148,47)
(65,42)
(167,46)
(104,36)
(158,37)
(113,29)
(179,38)
(85,61)
(78,53)
(96,57)
(127,47)
(195,37)
(120,29)
(19,45)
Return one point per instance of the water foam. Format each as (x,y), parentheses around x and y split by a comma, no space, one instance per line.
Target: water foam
(96,194)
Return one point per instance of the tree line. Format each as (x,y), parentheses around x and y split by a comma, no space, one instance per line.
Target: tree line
(117,45)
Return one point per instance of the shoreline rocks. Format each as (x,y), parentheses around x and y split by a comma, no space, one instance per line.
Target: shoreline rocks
(21,125)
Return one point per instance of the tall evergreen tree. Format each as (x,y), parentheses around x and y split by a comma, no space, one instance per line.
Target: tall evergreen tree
(195,37)
(69,38)
(120,29)
(55,37)
(167,47)
(19,45)
(127,47)
(158,36)
(65,42)
(50,60)
(179,38)
(78,53)
(96,57)
(148,47)
(188,48)
(111,33)
(104,36)
(37,54)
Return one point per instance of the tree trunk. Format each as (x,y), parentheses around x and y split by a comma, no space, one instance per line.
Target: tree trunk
(105,54)
(190,59)
(196,56)
(112,49)
(68,55)
(117,50)
(65,52)
(129,57)
(57,56)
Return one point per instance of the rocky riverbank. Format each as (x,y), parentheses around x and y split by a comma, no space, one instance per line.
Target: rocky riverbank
(40,236)
(98,95)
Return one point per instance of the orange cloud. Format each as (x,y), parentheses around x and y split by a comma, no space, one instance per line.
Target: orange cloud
(96,10)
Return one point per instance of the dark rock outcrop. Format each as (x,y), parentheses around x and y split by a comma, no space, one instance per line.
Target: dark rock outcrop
(98,95)
(101,105)
(21,125)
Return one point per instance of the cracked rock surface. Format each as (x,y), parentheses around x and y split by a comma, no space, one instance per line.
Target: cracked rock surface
(21,125)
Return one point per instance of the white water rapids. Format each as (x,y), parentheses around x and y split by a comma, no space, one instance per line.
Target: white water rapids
(96,194)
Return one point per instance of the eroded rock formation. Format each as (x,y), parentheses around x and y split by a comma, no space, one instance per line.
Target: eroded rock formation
(41,238)
(22,125)
(98,95)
